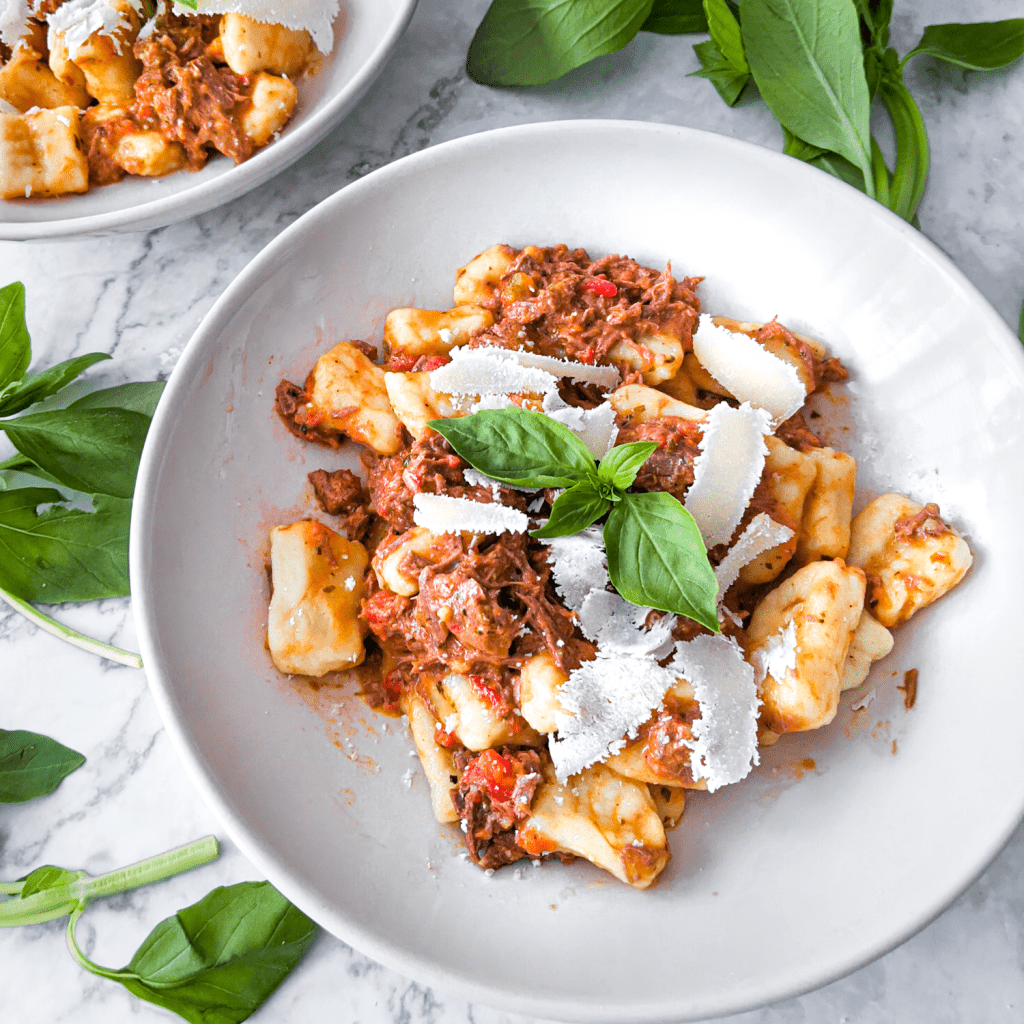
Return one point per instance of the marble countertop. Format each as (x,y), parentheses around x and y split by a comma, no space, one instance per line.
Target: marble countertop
(140,297)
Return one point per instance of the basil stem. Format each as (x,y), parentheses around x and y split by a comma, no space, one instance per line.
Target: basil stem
(880,173)
(1020,325)
(69,635)
(60,900)
(911,170)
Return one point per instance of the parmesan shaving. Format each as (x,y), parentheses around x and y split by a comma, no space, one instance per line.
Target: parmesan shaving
(582,373)
(603,702)
(748,370)
(596,427)
(778,656)
(315,16)
(77,20)
(489,371)
(578,565)
(731,460)
(762,534)
(14,15)
(617,626)
(724,746)
(440,513)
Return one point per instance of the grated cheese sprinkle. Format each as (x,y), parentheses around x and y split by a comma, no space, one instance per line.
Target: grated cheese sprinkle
(731,460)
(440,513)
(749,371)
(724,746)
(77,20)
(315,16)
(778,656)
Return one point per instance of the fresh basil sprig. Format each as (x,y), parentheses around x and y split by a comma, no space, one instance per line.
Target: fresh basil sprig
(55,546)
(656,557)
(818,64)
(32,765)
(214,962)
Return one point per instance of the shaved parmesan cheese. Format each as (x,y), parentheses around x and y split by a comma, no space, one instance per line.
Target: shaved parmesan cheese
(596,427)
(778,657)
(578,565)
(315,16)
(489,371)
(762,534)
(748,370)
(77,20)
(583,373)
(602,703)
(440,513)
(617,626)
(491,402)
(14,15)
(725,736)
(731,460)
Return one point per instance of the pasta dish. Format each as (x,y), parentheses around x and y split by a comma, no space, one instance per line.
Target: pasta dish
(598,556)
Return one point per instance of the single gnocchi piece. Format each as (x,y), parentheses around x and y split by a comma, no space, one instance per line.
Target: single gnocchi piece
(637,403)
(477,725)
(478,283)
(430,332)
(251,46)
(148,154)
(348,394)
(797,641)
(416,403)
(438,763)
(27,81)
(871,642)
(611,821)
(790,475)
(313,623)
(540,679)
(910,554)
(387,563)
(682,389)
(656,357)
(828,509)
(269,108)
(41,154)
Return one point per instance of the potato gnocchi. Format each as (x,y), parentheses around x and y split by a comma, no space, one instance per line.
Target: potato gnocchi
(512,657)
(94,90)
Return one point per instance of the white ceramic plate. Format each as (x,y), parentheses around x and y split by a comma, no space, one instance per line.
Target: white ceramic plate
(779,884)
(365,34)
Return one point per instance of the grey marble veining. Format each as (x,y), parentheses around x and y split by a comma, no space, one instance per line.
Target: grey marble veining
(140,297)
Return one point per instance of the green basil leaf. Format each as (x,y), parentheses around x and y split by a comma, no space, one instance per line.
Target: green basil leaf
(519,447)
(64,554)
(728,82)
(15,345)
(725,33)
(807,59)
(912,157)
(574,510)
(796,147)
(621,465)
(34,389)
(32,765)
(875,16)
(218,960)
(838,167)
(529,42)
(674,17)
(49,877)
(92,450)
(1020,325)
(136,396)
(981,46)
(656,557)
(190,4)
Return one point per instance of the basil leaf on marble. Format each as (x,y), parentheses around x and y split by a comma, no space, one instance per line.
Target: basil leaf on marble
(807,60)
(15,344)
(218,960)
(675,17)
(794,146)
(136,396)
(42,385)
(621,465)
(980,46)
(656,557)
(92,450)
(574,510)
(60,553)
(722,57)
(530,42)
(32,765)
(519,447)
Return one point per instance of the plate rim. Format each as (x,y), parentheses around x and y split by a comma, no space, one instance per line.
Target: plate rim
(235,181)
(418,967)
